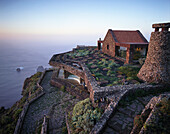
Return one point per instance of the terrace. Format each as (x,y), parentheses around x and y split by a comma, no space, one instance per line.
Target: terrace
(106,70)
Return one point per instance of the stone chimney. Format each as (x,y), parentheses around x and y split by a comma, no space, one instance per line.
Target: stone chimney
(156,68)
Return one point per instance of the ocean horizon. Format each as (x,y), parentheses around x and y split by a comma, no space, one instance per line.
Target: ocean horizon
(28,56)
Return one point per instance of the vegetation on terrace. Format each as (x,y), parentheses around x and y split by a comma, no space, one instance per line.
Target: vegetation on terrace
(9,117)
(106,70)
(83,117)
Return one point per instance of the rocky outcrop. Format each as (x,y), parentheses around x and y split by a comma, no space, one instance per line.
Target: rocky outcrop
(156,68)
(40,69)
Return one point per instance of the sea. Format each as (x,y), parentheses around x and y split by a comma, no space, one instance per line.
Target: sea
(27,55)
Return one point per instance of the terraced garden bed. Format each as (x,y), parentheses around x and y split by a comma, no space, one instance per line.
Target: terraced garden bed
(106,70)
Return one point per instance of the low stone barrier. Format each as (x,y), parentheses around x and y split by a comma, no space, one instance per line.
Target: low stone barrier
(27,104)
(44,125)
(67,124)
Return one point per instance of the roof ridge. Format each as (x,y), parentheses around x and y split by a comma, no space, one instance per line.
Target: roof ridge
(125,30)
(141,35)
(114,37)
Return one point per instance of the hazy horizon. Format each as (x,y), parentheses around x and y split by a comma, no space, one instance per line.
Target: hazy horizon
(77,22)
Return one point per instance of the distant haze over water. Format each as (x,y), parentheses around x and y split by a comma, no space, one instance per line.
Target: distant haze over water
(28,55)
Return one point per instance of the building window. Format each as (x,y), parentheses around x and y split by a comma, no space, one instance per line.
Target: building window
(107,46)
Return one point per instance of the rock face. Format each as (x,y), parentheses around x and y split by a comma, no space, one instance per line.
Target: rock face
(40,69)
(156,68)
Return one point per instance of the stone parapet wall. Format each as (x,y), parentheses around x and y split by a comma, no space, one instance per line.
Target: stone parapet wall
(85,74)
(28,103)
(116,97)
(68,68)
(107,91)
(44,125)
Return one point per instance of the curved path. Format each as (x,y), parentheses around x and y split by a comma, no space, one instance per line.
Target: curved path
(52,103)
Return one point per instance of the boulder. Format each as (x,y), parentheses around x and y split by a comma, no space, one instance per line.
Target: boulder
(40,69)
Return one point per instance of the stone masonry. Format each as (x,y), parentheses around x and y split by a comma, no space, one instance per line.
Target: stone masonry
(156,68)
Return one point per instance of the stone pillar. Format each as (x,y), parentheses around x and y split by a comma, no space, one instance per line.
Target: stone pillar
(129,55)
(81,81)
(55,73)
(99,42)
(99,45)
(156,68)
(66,74)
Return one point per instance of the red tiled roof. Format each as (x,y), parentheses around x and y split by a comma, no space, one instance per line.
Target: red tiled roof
(128,37)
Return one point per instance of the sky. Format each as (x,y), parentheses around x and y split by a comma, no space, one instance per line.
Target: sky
(78,21)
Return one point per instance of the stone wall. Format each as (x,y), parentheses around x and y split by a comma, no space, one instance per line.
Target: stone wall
(156,68)
(116,97)
(85,74)
(68,68)
(44,125)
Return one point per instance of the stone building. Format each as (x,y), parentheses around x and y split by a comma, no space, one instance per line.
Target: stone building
(124,45)
(156,68)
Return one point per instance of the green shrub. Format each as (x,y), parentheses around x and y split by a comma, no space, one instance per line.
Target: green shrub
(115,82)
(129,71)
(5,119)
(63,88)
(84,116)
(138,121)
(129,78)
(16,114)
(136,55)
(64,130)
(110,72)
(98,74)
(113,64)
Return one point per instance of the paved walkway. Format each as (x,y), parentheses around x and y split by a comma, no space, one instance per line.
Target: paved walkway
(122,120)
(52,103)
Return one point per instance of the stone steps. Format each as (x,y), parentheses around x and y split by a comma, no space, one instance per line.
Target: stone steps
(121,121)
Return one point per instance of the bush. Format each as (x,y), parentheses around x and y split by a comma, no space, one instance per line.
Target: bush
(84,116)
(64,130)
(136,55)
(138,121)
(16,114)
(5,120)
(112,64)
(110,72)
(62,88)
(129,71)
